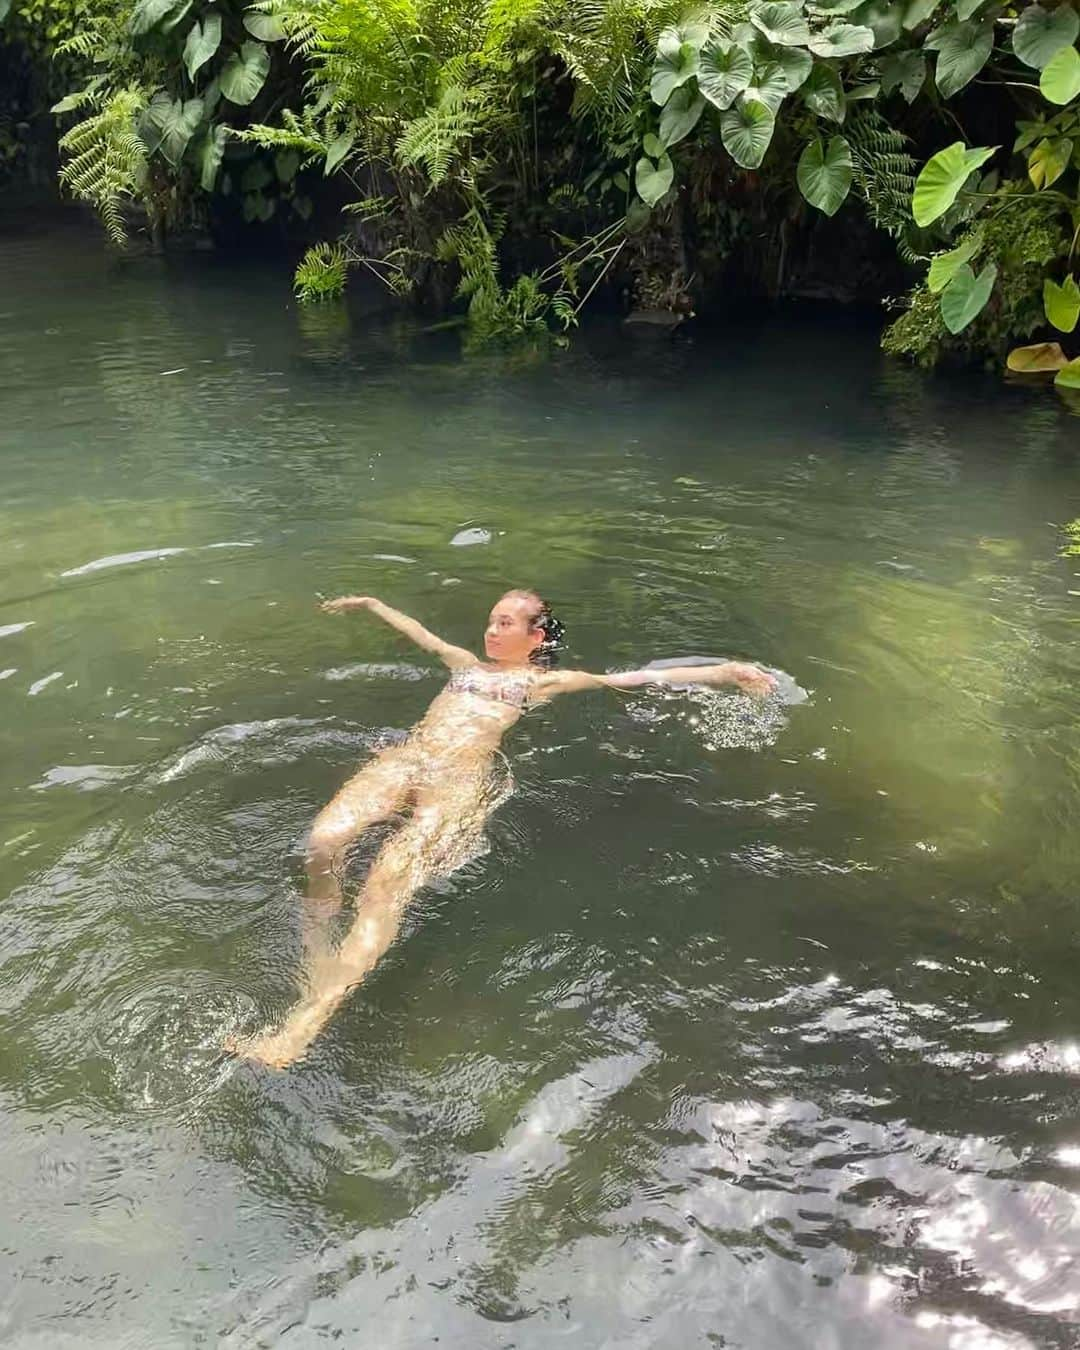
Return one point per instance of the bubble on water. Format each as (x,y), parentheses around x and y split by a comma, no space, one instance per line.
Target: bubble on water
(726,719)
(730,721)
(164,1044)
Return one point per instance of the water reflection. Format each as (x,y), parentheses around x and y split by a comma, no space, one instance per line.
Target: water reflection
(744,1025)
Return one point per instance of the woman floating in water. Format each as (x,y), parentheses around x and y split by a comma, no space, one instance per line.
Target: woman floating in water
(444,772)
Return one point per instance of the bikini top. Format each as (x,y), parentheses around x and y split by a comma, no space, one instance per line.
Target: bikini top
(502,686)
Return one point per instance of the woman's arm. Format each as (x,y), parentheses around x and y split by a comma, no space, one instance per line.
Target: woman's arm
(415,632)
(749,678)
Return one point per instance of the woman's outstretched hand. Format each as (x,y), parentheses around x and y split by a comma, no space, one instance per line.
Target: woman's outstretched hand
(751,679)
(343,603)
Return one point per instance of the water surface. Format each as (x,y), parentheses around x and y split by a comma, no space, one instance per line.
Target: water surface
(751,1032)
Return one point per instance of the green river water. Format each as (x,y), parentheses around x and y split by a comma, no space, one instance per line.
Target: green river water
(754,1029)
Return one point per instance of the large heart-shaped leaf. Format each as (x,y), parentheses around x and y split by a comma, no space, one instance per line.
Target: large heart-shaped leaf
(905,71)
(680,115)
(946,265)
(834,7)
(1041,358)
(209,151)
(824,174)
(781,22)
(245,73)
(171,125)
(1062,303)
(1060,80)
(1068,377)
(824,93)
(965,297)
(884,18)
(1041,33)
(725,72)
(942,177)
(746,131)
(203,40)
(676,62)
(1049,160)
(769,86)
(795,62)
(842,39)
(918,11)
(5,6)
(266,27)
(652,179)
(963,49)
(147,14)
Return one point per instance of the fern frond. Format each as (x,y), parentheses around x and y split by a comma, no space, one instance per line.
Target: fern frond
(107,159)
(884,171)
(437,135)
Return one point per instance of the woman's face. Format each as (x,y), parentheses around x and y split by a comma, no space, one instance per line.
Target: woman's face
(510,635)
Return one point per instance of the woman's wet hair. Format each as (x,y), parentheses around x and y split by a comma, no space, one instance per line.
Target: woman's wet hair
(540,616)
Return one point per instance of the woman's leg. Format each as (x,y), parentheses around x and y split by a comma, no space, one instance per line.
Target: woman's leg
(378,791)
(444,832)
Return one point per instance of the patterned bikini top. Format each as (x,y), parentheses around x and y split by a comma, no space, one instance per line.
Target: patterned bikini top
(502,686)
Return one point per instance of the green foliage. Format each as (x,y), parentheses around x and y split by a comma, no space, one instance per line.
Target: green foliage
(321,273)
(106,163)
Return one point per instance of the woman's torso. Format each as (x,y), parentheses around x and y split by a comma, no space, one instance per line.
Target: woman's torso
(475,710)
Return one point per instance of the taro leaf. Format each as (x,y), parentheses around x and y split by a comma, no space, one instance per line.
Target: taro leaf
(1041,33)
(746,131)
(842,39)
(1062,303)
(255,177)
(173,124)
(178,12)
(245,73)
(965,9)
(795,63)
(769,86)
(918,11)
(824,94)
(942,177)
(963,49)
(5,5)
(905,71)
(652,180)
(1049,160)
(147,14)
(339,148)
(651,145)
(946,265)
(286,164)
(833,7)
(725,72)
(267,27)
(303,207)
(884,18)
(203,40)
(209,151)
(1040,358)
(781,22)
(1068,377)
(1028,134)
(1060,80)
(257,207)
(676,62)
(680,116)
(965,297)
(824,174)
(863,93)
